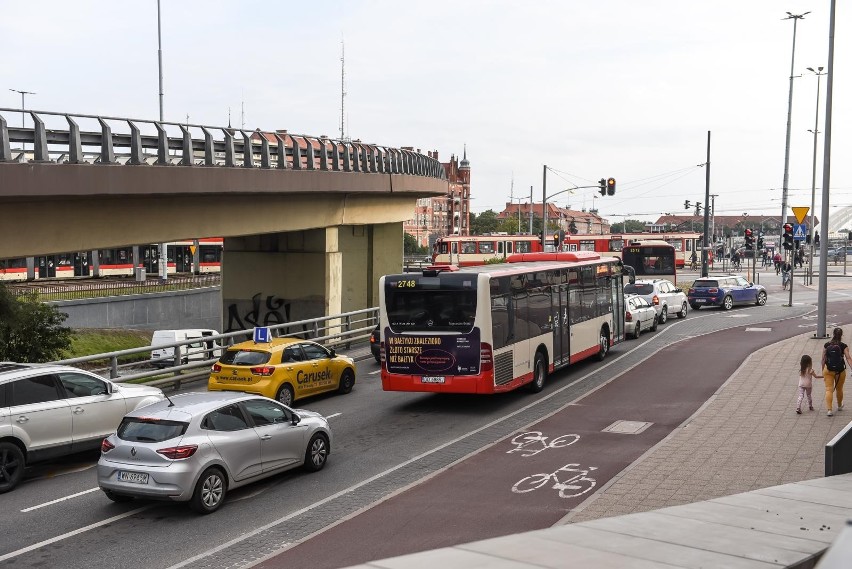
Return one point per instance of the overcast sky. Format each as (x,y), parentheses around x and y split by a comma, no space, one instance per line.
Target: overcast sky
(620,88)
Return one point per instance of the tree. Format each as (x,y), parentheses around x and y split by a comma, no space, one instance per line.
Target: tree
(485,222)
(632,226)
(410,247)
(31,331)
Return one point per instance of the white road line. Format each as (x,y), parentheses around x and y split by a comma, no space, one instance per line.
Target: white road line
(377,372)
(31,508)
(72,533)
(333,415)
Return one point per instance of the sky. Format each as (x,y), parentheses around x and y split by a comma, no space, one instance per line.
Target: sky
(613,88)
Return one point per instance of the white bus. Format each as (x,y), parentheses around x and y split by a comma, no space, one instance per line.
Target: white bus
(494,328)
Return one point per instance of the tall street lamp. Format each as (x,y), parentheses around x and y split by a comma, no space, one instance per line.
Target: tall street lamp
(815,132)
(795,18)
(23,108)
(163,248)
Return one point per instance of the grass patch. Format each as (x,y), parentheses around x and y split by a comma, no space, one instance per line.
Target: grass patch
(90,342)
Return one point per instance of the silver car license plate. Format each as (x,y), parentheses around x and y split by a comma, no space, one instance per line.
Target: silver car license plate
(133,477)
(432,379)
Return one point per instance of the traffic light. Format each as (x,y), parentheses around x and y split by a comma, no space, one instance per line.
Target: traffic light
(788,236)
(749,239)
(816,238)
(697,208)
(686,204)
(760,240)
(602,183)
(610,186)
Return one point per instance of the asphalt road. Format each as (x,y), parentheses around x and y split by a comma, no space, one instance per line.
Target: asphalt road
(386,445)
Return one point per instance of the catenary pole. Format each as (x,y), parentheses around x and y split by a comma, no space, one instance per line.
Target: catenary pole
(705,248)
(163,252)
(826,182)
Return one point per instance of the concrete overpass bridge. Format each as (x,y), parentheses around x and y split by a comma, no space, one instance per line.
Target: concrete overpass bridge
(309,222)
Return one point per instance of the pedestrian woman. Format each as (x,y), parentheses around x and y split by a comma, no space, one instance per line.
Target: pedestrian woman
(835,356)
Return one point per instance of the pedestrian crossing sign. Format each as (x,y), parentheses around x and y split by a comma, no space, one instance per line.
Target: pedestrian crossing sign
(800,230)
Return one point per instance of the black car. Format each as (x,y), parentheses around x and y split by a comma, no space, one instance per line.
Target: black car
(376,344)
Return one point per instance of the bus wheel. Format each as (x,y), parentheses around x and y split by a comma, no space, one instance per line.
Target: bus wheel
(539,373)
(604,344)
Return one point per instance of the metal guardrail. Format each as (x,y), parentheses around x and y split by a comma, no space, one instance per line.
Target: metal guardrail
(336,331)
(264,149)
(74,290)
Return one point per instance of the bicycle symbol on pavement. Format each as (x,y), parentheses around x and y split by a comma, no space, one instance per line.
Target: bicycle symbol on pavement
(575,485)
(534,442)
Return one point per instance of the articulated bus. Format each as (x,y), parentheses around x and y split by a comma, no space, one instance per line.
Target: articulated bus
(497,327)
(651,260)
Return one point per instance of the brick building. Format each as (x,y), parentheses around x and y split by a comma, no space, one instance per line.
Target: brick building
(584,221)
(444,215)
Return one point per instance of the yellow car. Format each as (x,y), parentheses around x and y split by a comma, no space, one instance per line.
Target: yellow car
(285,369)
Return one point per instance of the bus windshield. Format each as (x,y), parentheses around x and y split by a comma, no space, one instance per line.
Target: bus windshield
(648,260)
(416,304)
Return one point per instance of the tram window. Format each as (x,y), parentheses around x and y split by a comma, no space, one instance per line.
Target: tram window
(468,247)
(522,247)
(486,247)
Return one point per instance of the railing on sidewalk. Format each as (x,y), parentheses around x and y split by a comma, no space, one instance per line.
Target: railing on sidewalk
(93,288)
(335,331)
(838,453)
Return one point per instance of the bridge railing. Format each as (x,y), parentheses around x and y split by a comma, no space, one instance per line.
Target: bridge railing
(147,142)
(339,331)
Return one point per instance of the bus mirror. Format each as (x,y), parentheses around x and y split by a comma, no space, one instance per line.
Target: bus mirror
(631,273)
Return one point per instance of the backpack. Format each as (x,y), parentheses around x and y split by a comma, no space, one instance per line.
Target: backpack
(834,357)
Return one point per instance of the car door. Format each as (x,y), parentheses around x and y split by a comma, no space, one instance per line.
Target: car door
(664,290)
(647,313)
(282,443)
(322,375)
(748,292)
(95,412)
(40,416)
(236,441)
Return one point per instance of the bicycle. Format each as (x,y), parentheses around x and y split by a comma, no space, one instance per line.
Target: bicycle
(576,485)
(785,279)
(523,441)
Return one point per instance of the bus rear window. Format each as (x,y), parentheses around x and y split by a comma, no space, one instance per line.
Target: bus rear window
(430,310)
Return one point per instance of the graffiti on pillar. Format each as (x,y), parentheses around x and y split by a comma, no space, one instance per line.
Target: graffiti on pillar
(275,310)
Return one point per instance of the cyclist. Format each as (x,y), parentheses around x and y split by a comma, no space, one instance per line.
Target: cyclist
(693,261)
(786,271)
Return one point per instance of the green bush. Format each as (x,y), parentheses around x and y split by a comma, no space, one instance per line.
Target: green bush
(30,331)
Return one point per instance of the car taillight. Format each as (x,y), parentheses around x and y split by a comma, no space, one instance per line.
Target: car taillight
(106,446)
(713,290)
(628,317)
(217,367)
(177,453)
(485,357)
(263,370)
(691,291)
(656,300)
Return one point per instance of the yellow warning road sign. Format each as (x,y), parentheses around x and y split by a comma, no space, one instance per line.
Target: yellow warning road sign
(800,213)
(192,248)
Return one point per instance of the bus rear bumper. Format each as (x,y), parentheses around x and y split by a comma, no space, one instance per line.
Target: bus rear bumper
(451,384)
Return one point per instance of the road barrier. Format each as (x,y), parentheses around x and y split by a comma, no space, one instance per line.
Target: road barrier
(838,453)
(335,331)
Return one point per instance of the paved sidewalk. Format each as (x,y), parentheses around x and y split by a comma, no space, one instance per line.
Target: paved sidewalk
(747,436)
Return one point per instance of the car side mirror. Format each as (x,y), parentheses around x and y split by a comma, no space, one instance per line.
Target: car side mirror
(750,284)
(332,353)
(295,420)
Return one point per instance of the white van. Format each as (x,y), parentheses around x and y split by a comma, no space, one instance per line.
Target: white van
(203,349)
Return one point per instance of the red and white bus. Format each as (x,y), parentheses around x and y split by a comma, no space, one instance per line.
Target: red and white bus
(613,243)
(496,327)
(472,250)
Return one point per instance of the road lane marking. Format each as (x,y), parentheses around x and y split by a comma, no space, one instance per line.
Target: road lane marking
(31,508)
(333,415)
(378,371)
(72,533)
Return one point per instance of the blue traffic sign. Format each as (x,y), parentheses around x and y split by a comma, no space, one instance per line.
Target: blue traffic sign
(800,231)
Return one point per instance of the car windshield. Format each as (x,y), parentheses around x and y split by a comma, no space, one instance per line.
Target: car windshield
(244,357)
(638,288)
(705,284)
(145,430)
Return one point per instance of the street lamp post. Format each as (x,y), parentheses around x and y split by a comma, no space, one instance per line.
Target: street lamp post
(815,132)
(163,249)
(23,108)
(795,18)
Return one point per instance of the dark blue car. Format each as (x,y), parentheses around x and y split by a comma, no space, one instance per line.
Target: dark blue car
(725,291)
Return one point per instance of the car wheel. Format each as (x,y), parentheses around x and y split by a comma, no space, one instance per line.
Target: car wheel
(664,315)
(209,492)
(347,380)
(654,325)
(285,394)
(316,454)
(378,358)
(603,344)
(761,298)
(539,373)
(727,303)
(683,309)
(695,306)
(117,498)
(636,331)
(11,466)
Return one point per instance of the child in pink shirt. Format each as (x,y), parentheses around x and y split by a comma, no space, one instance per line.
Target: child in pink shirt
(806,377)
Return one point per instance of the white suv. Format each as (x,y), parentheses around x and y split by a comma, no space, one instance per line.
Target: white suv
(663,295)
(51,410)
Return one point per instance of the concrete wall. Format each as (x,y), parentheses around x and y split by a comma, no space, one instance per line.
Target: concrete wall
(200,308)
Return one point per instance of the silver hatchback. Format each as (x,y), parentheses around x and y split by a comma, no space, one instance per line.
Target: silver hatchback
(196,447)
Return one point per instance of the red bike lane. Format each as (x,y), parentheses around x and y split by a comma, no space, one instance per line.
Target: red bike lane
(480,497)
